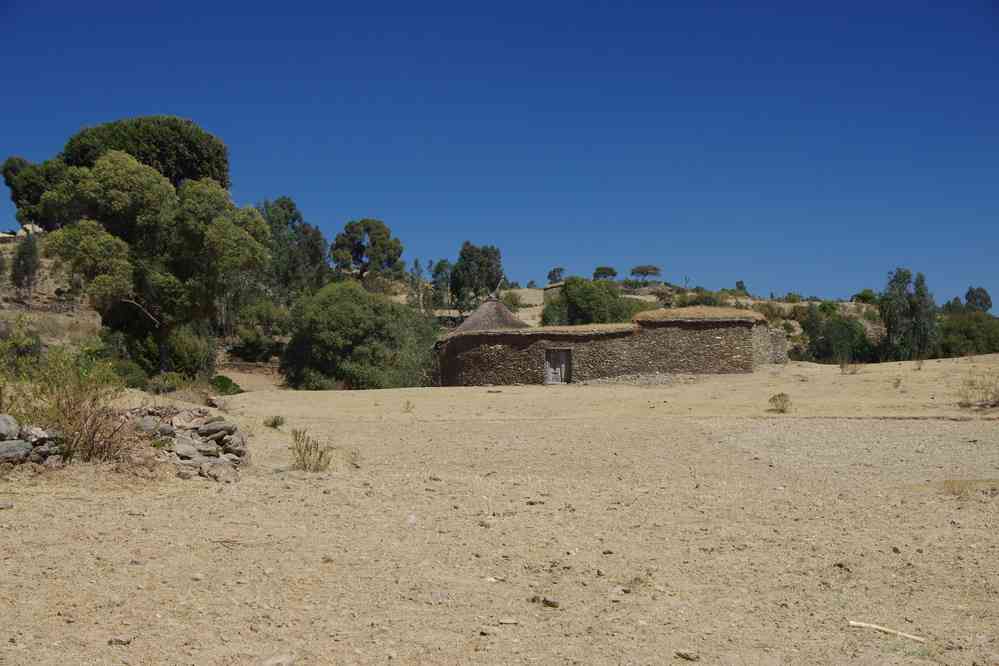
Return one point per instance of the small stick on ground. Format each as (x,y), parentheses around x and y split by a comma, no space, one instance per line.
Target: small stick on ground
(878,627)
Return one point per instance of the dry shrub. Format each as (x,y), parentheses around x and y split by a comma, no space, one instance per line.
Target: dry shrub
(980,389)
(274,421)
(309,454)
(73,395)
(780,403)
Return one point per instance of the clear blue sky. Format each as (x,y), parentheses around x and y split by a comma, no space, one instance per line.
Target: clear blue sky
(788,147)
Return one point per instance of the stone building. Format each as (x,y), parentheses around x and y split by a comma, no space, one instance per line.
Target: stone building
(680,340)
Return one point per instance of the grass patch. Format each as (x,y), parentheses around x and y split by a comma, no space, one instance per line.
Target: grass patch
(980,389)
(780,403)
(309,454)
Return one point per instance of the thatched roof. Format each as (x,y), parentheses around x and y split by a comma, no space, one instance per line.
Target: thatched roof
(699,313)
(492,315)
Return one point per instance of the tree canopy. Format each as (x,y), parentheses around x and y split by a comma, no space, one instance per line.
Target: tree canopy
(344,335)
(645,271)
(366,247)
(586,302)
(909,315)
(977,298)
(555,275)
(476,274)
(298,251)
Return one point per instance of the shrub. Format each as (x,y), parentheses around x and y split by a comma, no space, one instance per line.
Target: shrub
(24,268)
(225,386)
(770,311)
(168,382)
(274,422)
(512,300)
(131,373)
(308,454)
(586,302)
(868,296)
(255,346)
(780,403)
(73,395)
(343,334)
(191,354)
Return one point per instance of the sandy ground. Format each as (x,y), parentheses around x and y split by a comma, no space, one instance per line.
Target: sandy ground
(578,524)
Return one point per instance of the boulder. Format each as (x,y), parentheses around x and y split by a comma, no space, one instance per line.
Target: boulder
(184,448)
(207,448)
(35,435)
(214,427)
(15,451)
(235,444)
(9,429)
(220,472)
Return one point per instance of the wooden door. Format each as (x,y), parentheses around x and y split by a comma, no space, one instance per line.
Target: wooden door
(558,366)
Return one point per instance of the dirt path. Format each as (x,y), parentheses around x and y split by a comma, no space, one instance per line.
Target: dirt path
(652,520)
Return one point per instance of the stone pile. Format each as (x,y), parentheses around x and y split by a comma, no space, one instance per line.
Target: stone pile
(21,444)
(197,443)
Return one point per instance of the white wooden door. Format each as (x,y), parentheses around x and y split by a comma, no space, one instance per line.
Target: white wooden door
(557,364)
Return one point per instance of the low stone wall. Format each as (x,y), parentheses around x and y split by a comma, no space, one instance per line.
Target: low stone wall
(778,346)
(500,358)
(761,344)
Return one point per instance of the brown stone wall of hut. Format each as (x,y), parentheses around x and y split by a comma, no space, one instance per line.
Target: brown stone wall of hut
(664,347)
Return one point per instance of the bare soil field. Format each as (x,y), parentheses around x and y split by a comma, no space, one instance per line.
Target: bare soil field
(610,524)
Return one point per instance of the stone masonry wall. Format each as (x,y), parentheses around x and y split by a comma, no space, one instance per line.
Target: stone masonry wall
(778,346)
(761,344)
(665,347)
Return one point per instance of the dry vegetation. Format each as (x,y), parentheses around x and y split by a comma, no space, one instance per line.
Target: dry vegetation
(577,524)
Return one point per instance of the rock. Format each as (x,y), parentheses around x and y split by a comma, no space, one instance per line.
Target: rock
(235,444)
(166,430)
(508,621)
(215,401)
(34,435)
(119,640)
(16,451)
(9,428)
(184,448)
(210,449)
(213,427)
(688,655)
(55,462)
(185,473)
(6,505)
(148,424)
(284,659)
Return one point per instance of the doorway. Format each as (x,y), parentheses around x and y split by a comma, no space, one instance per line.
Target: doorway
(558,366)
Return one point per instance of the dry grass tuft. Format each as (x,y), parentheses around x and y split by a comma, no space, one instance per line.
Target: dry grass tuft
(980,389)
(309,454)
(275,421)
(780,403)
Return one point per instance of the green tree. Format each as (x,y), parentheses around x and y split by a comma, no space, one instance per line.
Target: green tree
(531,284)
(27,183)
(923,314)
(740,287)
(555,275)
(977,298)
(298,251)
(646,271)
(909,314)
(190,252)
(586,302)
(440,278)
(604,273)
(24,267)
(967,332)
(867,296)
(366,248)
(344,335)
(477,273)
(176,147)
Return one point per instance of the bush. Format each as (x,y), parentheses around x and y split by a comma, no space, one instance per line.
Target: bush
(586,302)
(969,332)
(344,334)
(191,354)
(780,403)
(308,454)
(168,382)
(274,422)
(255,346)
(512,300)
(131,373)
(73,394)
(868,296)
(225,386)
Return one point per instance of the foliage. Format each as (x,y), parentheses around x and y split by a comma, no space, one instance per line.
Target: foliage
(190,252)
(27,183)
(367,247)
(868,296)
(512,300)
(531,284)
(192,354)
(253,345)
(773,313)
(274,421)
(697,296)
(586,302)
(828,308)
(977,298)
(780,403)
(309,454)
(344,334)
(168,382)
(24,267)
(909,314)
(792,297)
(835,338)
(645,271)
(440,280)
(740,287)
(556,274)
(478,271)
(225,386)
(177,148)
(131,373)
(421,294)
(964,333)
(298,252)
(73,394)
(604,273)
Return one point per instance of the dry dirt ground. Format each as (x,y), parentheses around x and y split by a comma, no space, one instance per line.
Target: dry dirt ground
(578,524)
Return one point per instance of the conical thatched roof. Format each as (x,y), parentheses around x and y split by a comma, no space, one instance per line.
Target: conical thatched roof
(492,315)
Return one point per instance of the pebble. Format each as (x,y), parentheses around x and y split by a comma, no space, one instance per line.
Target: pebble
(6,505)
(119,640)
(508,621)
(688,655)
(284,659)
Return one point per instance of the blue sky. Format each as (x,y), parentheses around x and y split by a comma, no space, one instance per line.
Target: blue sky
(784,146)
